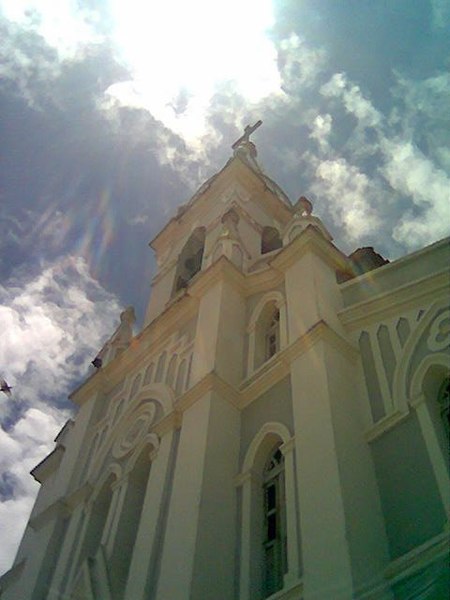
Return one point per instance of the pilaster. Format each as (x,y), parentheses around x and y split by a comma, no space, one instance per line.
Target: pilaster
(145,553)
(202,511)
(219,340)
(325,550)
(66,553)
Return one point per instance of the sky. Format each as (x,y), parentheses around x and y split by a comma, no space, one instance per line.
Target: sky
(113,113)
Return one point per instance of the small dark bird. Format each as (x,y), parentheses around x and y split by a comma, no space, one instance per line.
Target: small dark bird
(97,362)
(5,388)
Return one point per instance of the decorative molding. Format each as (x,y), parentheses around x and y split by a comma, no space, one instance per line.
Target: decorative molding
(438,359)
(168,423)
(12,575)
(288,446)
(394,302)
(400,388)
(386,424)
(56,509)
(247,476)
(272,428)
(293,592)
(267,375)
(153,338)
(310,240)
(211,382)
(273,296)
(279,365)
(137,427)
(418,558)
(78,496)
(48,465)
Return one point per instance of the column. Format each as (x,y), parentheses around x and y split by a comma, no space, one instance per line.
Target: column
(198,558)
(292,575)
(250,485)
(325,551)
(69,547)
(119,490)
(146,545)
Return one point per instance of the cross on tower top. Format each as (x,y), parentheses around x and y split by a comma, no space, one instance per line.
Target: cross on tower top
(248,130)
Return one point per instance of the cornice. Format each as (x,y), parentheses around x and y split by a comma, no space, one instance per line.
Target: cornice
(310,240)
(270,373)
(57,508)
(12,575)
(234,171)
(385,424)
(212,382)
(48,465)
(154,336)
(78,496)
(275,369)
(410,295)
(221,270)
(168,423)
(418,558)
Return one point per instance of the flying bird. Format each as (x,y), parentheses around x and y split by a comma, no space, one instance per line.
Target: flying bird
(5,388)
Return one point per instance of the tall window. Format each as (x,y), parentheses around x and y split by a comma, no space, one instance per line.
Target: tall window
(270,240)
(190,259)
(444,405)
(274,536)
(273,335)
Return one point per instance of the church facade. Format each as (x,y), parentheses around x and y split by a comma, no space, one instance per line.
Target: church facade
(278,429)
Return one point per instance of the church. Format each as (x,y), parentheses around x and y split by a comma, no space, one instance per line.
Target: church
(279,429)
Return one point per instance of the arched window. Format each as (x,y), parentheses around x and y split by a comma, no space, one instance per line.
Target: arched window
(171,369)
(97,520)
(149,374)
(443,401)
(274,536)
(270,559)
(272,337)
(267,330)
(160,368)
(267,334)
(181,375)
(270,240)
(135,385)
(128,524)
(190,259)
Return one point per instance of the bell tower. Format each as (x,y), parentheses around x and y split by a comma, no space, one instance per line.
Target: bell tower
(249,442)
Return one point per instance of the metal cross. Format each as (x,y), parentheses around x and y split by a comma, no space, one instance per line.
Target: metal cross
(248,130)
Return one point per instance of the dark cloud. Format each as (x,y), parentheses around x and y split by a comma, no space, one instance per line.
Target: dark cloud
(78,174)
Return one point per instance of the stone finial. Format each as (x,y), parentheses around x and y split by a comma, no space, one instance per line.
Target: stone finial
(119,340)
(304,206)
(230,221)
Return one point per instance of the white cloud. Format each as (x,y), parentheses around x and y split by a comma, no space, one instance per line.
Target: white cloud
(63,24)
(300,63)
(351,196)
(52,325)
(189,57)
(413,174)
(21,448)
(353,100)
(321,129)
(440,13)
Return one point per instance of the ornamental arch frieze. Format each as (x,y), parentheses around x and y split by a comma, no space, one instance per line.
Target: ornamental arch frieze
(126,438)
(431,338)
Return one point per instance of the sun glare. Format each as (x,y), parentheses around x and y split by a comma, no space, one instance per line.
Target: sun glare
(178,53)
